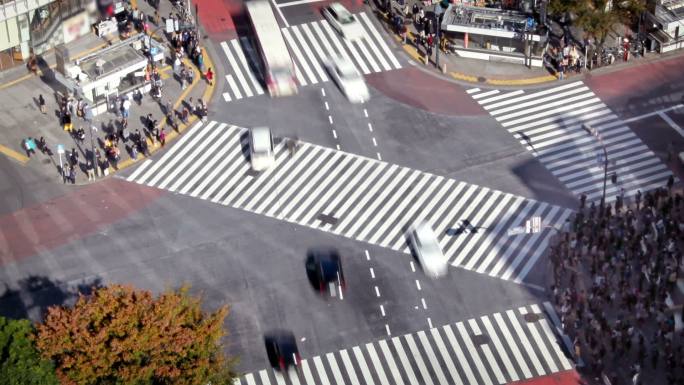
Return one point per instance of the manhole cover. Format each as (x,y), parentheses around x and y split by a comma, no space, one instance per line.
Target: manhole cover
(481,339)
(482,79)
(531,317)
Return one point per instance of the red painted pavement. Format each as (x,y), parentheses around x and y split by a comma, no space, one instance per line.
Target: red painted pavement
(218,17)
(640,79)
(420,90)
(569,377)
(64,219)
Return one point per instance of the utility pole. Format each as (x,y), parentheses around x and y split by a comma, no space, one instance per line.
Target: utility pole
(594,132)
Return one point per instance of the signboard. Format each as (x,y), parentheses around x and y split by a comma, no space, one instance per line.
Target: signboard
(60,149)
(76,26)
(169,26)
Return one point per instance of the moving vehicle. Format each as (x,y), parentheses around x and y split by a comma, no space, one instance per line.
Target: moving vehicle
(429,254)
(348,78)
(343,21)
(325,265)
(278,70)
(261,148)
(281,348)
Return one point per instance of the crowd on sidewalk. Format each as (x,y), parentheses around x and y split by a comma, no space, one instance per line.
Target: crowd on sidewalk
(74,113)
(613,269)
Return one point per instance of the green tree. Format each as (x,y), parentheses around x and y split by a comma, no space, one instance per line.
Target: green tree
(20,362)
(120,335)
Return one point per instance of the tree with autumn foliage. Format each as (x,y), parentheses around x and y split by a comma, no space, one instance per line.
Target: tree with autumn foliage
(121,335)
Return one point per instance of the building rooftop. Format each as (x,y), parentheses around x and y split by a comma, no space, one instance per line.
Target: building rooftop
(110,60)
(486,21)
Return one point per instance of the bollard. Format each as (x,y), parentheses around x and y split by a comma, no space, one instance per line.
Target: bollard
(444,70)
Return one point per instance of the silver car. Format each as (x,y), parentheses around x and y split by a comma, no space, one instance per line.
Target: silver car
(343,21)
(261,148)
(429,254)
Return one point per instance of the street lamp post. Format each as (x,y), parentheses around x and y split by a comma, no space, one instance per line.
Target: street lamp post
(594,132)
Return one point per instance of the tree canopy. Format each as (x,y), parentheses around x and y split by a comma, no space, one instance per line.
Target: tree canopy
(120,335)
(20,362)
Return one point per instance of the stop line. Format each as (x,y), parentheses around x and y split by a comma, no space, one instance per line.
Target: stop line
(358,197)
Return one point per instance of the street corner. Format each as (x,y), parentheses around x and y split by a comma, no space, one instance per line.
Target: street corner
(568,377)
(88,209)
(645,78)
(425,91)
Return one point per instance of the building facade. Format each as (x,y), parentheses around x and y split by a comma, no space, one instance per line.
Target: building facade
(35,26)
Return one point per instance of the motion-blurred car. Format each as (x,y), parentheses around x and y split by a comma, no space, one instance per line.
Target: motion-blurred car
(348,78)
(261,148)
(343,21)
(326,267)
(281,348)
(429,254)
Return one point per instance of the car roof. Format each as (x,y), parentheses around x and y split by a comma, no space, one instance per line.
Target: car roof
(261,138)
(339,9)
(345,66)
(329,262)
(286,343)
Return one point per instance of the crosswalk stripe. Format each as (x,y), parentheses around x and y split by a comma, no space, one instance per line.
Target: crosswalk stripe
(234,87)
(375,360)
(370,200)
(243,60)
(539,343)
(226,97)
(374,49)
(334,37)
(362,364)
(355,54)
(488,93)
(169,154)
(330,167)
(322,56)
(501,352)
(551,338)
(366,54)
(405,364)
(329,50)
(320,369)
(236,69)
(427,379)
(500,96)
(503,328)
(432,358)
(298,55)
(398,211)
(315,63)
(498,341)
(349,367)
(381,42)
(139,170)
(215,139)
(541,248)
(533,95)
(394,370)
(264,377)
(550,101)
(337,375)
(444,353)
(398,234)
(551,312)
(473,353)
(525,342)
(162,177)
(463,362)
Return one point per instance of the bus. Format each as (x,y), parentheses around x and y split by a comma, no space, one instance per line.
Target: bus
(278,69)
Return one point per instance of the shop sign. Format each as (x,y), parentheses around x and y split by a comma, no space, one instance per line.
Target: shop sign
(76,26)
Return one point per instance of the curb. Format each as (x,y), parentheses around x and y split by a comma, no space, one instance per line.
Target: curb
(19,157)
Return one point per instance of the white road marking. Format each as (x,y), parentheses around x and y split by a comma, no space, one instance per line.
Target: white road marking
(377,292)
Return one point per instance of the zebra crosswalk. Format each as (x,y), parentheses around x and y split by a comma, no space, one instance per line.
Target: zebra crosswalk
(357,197)
(310,45)
(549,123)
(500,348)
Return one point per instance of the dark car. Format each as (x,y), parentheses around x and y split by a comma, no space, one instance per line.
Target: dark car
(325,268)
(281,348)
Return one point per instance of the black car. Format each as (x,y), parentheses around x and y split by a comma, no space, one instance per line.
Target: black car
(281,348)
(325,268)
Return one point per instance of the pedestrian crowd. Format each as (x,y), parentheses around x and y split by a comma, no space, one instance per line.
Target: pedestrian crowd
(614,268)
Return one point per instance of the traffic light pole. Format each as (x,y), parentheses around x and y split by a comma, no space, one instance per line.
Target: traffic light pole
(437,45)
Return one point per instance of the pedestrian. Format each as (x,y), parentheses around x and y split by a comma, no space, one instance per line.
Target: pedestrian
(41,103)
(209,76)
(73,157)
(182,76)
(414,11)
(185,115)
(162,137)
(191,76)
(30,146)
(72,175)
(90,169)
(670,182)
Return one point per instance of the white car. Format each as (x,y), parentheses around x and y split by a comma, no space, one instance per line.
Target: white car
(261,148)
(428,252)
(343,21)
(348,78)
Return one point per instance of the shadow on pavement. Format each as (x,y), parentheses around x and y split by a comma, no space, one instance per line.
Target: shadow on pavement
(38,293)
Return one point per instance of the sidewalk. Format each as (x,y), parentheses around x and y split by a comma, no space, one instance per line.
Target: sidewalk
(483,72)
(19,105)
